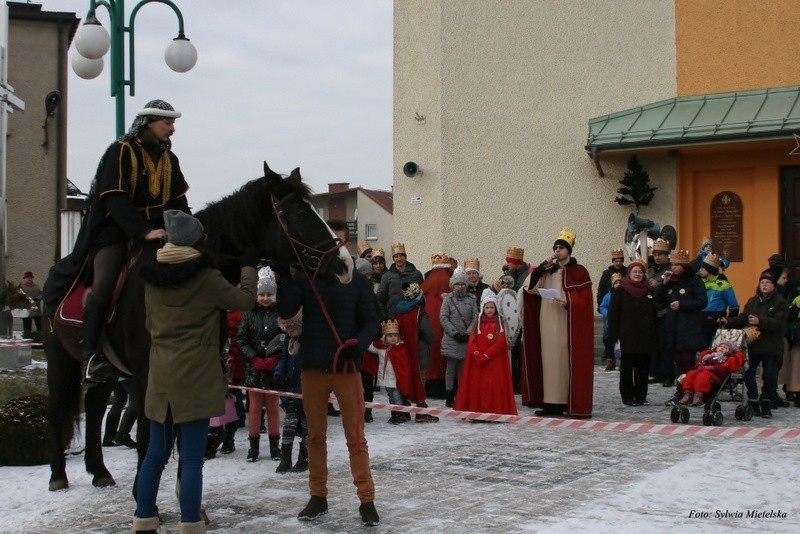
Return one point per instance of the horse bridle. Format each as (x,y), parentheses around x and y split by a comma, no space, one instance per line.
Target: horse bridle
(309,257)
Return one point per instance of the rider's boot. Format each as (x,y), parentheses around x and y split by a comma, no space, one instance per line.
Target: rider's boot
(95,368)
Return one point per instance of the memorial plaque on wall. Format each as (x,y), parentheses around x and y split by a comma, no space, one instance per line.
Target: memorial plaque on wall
(727,225)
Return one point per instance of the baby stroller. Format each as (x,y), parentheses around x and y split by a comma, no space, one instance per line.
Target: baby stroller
(732,383)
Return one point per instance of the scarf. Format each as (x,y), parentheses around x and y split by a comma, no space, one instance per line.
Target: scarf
(635,289)
(171,254)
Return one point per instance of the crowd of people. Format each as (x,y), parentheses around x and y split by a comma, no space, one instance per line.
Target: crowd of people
(447,333)
(662,320)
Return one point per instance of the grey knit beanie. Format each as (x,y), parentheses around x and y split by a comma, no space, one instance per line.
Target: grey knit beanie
(458,278)
(363,266)
(183,230)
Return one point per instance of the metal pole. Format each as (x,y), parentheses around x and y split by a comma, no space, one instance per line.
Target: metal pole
(116,12)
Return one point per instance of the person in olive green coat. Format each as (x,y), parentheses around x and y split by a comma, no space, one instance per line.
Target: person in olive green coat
(185,300)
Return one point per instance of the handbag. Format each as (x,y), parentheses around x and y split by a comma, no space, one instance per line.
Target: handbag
(230,414)
(265,363)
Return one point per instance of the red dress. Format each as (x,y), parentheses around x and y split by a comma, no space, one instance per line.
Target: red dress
(485,384)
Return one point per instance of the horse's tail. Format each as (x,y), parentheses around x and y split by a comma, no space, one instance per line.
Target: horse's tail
(65,388)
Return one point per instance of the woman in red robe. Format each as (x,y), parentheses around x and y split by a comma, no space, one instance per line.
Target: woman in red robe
(485,385)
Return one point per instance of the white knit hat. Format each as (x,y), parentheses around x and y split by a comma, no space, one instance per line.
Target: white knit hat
(266,281)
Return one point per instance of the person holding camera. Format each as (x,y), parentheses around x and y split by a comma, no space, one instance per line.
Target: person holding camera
(259,341)
(339,323)
(458,312)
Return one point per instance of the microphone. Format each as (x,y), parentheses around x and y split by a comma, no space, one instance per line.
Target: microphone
(545,262)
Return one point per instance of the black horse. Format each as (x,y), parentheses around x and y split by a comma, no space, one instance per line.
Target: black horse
(271,214)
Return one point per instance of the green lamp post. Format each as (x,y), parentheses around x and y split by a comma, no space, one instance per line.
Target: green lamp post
(92,42)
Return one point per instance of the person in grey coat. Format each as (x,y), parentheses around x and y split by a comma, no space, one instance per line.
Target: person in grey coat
(457,315)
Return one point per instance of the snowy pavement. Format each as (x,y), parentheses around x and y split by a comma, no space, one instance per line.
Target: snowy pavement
(457,476)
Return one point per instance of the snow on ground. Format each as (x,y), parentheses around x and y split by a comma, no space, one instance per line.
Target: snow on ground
(457,476)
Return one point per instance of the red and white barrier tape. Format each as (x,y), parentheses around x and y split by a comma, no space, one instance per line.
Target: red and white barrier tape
(551,422)
(20,344)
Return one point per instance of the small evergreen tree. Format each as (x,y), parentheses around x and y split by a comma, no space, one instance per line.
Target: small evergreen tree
(636,187)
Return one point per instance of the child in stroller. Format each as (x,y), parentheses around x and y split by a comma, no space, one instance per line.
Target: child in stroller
(714,366)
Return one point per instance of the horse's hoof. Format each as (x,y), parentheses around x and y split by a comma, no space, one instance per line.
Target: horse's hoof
(58,484)
(103,482)
(204,515)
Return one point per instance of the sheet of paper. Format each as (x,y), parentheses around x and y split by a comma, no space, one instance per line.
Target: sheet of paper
(549,294)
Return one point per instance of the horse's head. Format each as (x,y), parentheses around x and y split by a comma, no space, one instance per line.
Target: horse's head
(311,243)
(274,215)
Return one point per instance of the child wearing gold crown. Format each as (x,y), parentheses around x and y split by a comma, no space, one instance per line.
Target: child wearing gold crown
(417,334)
(394,367)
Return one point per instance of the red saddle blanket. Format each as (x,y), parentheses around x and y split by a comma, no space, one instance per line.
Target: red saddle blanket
(70,313)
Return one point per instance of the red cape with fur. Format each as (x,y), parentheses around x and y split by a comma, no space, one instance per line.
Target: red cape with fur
(577,289)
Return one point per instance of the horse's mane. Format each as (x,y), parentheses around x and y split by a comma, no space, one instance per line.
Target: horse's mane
(236,215)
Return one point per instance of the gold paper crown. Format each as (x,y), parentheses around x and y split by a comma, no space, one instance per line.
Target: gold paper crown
(439,258)
(472,264)
(617,253)
(515,252)
(378,252)
(661,245)
(398,248)
(679,257)
(363,247)
(713,260)
(411,291)
(568,235)
(616,277)
(390,327)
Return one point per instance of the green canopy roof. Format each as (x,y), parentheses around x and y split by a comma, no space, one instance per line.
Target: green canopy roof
(720,117)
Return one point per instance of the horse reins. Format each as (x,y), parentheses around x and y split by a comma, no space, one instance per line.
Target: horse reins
(314,267)
(336,245)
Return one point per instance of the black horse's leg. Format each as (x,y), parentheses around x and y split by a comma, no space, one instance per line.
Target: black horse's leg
(95,403)
(63,405)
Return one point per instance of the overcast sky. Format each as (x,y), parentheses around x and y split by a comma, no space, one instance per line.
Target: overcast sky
(298,83)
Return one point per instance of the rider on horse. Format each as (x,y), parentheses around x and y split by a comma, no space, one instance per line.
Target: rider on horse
(138,178)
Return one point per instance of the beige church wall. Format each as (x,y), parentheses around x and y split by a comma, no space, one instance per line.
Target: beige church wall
(417,129)
(507,89)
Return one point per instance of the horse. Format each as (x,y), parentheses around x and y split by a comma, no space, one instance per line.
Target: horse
(270,214)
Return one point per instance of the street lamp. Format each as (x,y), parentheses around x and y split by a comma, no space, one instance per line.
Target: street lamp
(92,42)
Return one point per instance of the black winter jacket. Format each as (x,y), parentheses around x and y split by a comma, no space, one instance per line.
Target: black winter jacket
(772,313)
(682,328)
(632,322)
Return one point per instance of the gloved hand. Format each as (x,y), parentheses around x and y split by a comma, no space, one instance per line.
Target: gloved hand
(251,257)
(347,356)
(461,338)
(349,353)
(482,359)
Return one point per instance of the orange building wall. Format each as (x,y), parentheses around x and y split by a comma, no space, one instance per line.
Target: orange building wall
(735,45)
(752,174)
